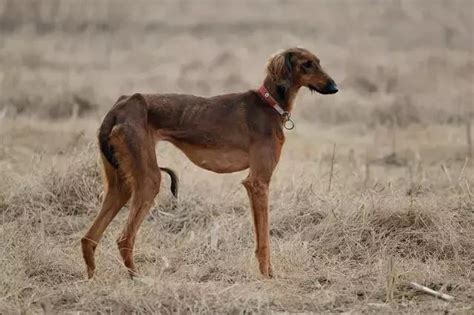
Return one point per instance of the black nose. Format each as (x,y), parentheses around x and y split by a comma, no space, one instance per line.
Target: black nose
(330,87)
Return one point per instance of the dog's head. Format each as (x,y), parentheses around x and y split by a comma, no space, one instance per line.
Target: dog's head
(299,67)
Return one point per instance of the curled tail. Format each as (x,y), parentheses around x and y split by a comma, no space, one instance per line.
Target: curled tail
(174,180)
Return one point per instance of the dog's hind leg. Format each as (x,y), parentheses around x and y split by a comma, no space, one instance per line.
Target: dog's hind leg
(138,161)
(142,200)
(116,194)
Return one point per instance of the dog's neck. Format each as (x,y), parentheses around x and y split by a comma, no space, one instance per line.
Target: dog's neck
(284,95)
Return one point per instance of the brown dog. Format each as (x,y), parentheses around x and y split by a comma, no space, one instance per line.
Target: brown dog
(224,134)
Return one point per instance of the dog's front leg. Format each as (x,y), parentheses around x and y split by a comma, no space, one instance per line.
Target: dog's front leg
(263,158)
(257,190)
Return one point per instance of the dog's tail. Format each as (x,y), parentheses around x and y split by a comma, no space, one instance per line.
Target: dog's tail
(174,180)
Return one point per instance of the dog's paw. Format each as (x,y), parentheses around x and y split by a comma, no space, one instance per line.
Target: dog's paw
(270,272)
(266,271)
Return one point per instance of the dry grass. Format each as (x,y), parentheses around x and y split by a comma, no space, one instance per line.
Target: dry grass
(400,206)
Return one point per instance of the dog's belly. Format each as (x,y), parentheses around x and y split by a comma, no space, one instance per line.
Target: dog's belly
(219,160)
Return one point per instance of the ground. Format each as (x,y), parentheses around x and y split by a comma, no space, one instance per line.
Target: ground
(374,188)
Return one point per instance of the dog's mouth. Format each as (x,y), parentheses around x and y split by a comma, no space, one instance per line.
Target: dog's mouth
(330,88)
(312,89)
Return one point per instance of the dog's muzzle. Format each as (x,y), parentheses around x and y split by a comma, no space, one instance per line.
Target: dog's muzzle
(330,88)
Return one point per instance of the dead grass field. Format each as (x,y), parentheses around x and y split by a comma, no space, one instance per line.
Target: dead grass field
(402,187)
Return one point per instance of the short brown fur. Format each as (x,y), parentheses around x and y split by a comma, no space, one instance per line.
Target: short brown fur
(224,134)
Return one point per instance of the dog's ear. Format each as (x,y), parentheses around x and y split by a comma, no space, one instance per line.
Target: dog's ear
(279,68)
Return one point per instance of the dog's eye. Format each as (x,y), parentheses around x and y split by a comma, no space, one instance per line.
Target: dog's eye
(307,65)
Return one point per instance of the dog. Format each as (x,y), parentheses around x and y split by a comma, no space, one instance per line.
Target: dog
(224,134)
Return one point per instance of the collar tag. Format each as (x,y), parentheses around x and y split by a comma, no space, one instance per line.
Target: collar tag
(288,123)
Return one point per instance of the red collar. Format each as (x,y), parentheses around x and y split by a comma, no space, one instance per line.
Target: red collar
(270,101)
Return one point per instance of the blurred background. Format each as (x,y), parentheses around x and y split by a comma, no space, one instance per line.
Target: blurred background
(411,61)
